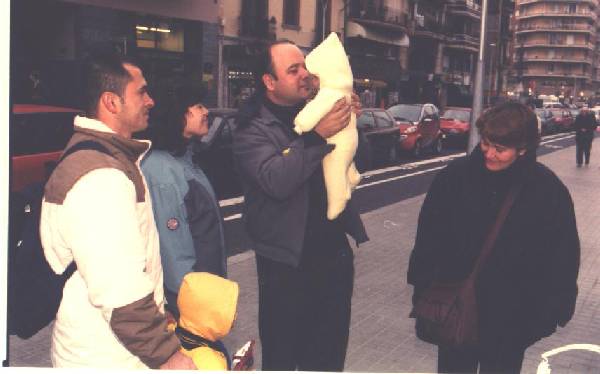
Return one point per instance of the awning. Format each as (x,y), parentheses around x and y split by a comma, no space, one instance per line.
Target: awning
(357,30)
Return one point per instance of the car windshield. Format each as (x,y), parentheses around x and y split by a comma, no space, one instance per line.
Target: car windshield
(404,112)
(461,115)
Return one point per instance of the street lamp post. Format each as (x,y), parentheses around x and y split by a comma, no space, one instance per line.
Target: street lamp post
(478,83)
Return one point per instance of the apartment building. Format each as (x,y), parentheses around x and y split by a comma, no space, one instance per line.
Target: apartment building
(555,42)
(249,24)
(375,34)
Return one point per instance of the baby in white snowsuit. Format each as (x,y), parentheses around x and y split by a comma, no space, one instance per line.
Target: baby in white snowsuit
(328,61)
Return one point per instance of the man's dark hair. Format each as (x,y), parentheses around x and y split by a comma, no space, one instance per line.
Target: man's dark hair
(510,124)
(263,64)
(104,72)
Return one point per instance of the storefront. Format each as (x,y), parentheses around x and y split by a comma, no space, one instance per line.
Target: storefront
(172,51)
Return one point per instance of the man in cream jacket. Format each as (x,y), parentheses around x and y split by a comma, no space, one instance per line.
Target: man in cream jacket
(97,212)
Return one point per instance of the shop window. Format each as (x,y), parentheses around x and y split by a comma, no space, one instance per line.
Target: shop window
(291,13)
(163,36)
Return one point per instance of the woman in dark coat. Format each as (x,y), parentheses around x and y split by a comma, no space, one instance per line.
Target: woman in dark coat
(528,285)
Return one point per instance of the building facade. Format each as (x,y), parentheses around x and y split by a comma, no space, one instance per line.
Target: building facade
(248,25)
(555,48)
(175,41)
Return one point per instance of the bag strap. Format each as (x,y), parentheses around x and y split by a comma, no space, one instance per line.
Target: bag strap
(490,240)
(81,146)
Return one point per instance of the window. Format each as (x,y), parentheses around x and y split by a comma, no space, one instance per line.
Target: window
(160,35)
(383,120)
(365,121)
(35,133)
(291,13)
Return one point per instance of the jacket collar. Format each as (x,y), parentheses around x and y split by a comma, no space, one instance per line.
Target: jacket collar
(518,168)
(133,149)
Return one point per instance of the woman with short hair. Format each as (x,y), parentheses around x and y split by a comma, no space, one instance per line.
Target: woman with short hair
(527,286)
(186,210)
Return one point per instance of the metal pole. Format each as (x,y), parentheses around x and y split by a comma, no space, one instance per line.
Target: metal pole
(478,83)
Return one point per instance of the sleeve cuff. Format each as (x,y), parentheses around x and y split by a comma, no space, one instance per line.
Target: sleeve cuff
(312,139)
(142,329)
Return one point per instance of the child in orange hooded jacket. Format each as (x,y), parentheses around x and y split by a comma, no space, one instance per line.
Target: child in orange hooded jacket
(207,305)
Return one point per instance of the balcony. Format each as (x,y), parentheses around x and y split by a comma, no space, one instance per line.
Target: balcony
(382,16)
(557,59)
(558,13)
(589,46)
(521,29)
(556,74)
(592,3)
(466,8)
(429,27)
(463,41)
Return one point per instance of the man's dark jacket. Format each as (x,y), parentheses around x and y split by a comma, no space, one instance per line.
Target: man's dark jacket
(529,284)
(275,166)
(585,125)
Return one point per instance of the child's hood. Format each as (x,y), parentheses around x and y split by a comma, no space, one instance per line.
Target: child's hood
(207,305)
(330,63)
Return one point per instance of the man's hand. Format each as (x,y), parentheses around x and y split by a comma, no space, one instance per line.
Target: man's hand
(356,104)
(334,121)
(178,361)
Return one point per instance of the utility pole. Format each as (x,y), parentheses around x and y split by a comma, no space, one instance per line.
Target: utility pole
(478,83)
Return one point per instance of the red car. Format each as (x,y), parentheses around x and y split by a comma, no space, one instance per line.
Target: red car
(419,127)
(563,118)
(455,124)
(38,135)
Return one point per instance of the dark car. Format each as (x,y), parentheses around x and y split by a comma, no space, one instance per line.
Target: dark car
(213,153)
(38,135)
(419,127)
(455,124)
(378,137)
(548,122)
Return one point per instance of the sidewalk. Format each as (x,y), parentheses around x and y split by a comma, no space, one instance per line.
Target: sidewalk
(381,335)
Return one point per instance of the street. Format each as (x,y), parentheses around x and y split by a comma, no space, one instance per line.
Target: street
(382,336)
(381,187)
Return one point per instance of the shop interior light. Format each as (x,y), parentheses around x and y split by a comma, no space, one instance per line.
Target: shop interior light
(155,29)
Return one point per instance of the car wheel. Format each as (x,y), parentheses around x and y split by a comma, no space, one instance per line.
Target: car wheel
(418,151)
(437,145)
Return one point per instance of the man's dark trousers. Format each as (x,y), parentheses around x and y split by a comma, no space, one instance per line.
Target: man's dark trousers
(583,150)
(304,312)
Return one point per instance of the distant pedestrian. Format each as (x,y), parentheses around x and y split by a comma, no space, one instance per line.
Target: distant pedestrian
(585,127)
(304,262)
(97,213)
(186,210)
(528,285)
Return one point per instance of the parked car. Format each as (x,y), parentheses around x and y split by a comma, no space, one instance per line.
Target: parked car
(419,127)
(455,124)
(563,118)
(378,137)
(548,122)
(214,154)
(38,135)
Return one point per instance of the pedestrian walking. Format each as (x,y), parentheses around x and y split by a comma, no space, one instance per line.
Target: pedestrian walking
(528,283)
(186,210)
(96,212)
(304,262)
(585,126)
